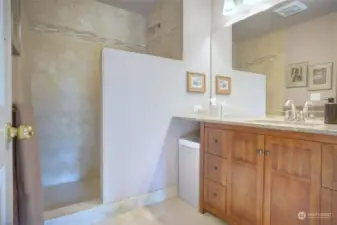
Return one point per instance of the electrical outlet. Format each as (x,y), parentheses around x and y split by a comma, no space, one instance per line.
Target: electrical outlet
(197,108)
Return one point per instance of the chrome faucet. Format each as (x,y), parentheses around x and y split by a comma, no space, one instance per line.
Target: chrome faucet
(305,109)
(290,115)
(293,114)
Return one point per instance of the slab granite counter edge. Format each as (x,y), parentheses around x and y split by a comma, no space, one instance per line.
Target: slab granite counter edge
(325,129)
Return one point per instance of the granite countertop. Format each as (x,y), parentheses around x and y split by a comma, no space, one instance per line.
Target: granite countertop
(316,126)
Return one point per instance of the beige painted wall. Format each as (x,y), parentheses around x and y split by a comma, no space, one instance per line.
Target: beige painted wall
(264,55)
(166,40)
(62,63)
(314,41)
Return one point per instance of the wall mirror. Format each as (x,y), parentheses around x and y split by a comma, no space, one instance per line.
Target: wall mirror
(294,44)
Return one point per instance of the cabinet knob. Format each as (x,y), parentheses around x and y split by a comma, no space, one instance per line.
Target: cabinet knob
(215,141)
(214,194)
(267,153)
(215,168)
(260,152)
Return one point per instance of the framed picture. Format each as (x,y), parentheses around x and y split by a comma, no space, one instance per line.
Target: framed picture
(297,75)
(196,82)
(16,27)
(320,77)
(223,85)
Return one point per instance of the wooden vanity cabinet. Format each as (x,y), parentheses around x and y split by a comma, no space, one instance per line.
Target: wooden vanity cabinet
(245,178)
(292,180)
(266,178)
(328,211)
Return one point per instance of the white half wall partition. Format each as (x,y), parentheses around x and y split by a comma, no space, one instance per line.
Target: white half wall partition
(141,93)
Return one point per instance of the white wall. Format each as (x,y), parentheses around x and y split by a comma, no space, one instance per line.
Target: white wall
(141,93)
(244,100)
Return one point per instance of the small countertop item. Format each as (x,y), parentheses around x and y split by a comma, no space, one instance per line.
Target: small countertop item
(330,112)
(277,123)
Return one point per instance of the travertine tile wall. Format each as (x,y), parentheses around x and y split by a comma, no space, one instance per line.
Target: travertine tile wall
(62,58)
(166,40)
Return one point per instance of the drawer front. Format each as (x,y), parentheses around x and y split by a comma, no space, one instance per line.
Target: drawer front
(215,169)
(329,166)
(215,197)
(215,142)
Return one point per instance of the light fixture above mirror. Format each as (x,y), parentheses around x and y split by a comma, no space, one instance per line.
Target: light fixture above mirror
(237,10)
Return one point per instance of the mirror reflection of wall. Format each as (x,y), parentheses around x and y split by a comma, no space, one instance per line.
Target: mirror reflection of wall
(295,45)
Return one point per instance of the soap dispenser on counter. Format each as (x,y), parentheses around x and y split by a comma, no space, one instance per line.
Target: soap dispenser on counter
(330,111)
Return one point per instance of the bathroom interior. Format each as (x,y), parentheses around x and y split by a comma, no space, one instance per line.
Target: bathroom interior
(62,64)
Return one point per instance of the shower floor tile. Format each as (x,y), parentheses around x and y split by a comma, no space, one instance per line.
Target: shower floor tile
(71,193)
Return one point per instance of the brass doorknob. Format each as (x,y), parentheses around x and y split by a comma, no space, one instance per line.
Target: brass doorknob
(23,132)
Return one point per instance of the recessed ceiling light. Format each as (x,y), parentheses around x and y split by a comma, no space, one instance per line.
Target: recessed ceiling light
(291,9)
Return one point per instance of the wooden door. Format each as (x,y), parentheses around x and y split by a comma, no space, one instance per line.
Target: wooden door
(292,181)
(245,178)
(6,170)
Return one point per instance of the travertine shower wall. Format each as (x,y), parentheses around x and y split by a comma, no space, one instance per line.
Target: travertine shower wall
(165,29)
(62,60)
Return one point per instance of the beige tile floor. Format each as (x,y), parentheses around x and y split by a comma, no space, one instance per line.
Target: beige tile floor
(170,212)
(71,193)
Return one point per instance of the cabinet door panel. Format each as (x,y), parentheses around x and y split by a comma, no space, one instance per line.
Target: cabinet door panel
(245,179)
(328,215)
(292,181)
(329,166)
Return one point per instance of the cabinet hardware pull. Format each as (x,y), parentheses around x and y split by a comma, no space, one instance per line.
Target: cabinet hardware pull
(216,141)
(215,168)
(214,194)
(267,153)
(259,151)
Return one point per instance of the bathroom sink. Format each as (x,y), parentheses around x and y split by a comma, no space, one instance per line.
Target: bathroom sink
(300,123)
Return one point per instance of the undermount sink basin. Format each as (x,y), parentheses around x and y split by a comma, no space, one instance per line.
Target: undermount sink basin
(300,123)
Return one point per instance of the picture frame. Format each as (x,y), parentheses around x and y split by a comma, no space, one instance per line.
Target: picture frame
(196,82)
(223,85)
(320,77)
(297,75)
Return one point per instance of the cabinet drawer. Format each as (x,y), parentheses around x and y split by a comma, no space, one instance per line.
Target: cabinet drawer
(215,142)
(215,197)
(329,166)
(215,169)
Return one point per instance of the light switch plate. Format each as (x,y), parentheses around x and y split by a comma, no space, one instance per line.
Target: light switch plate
(315,96)
(197,108)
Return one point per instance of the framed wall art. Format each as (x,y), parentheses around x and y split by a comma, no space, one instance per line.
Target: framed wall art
(320,77)
(297,75)
(196,82)
(223,85)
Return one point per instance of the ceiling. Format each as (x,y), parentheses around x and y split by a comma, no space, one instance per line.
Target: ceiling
(140,6)
(269,21)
